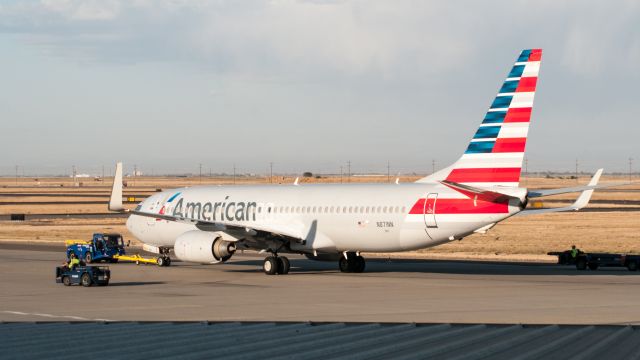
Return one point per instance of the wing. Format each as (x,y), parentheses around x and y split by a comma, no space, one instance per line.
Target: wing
(292,232)
(237,231)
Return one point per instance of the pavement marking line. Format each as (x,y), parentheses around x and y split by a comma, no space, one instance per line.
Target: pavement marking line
(52,316)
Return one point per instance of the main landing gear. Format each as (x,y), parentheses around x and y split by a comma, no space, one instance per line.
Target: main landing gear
(275,264)
(353,263)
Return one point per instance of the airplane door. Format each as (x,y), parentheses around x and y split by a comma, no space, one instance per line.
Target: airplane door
(430,210)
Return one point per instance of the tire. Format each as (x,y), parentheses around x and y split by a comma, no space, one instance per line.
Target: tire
(632,266)
(86,280)
(593,266)
(167,261)
(160,261)
(66,281)
(358,264)
(270,265)
(283,265)
(344,265)
(88,258)
(581,264)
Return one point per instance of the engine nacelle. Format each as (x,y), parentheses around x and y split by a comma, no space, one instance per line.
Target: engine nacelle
(203,247)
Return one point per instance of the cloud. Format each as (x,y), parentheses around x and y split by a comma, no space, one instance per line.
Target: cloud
(391,39)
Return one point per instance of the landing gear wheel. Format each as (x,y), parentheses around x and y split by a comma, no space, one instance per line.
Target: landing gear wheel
(344,265)
(270,265)
(85,280)
(353,264)
(163,261)
(358,264)
(66,281)
(283,265)
(88,258)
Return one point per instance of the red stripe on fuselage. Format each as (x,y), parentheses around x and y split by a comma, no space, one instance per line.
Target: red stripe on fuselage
(462,206)
(503,145)
(485,175)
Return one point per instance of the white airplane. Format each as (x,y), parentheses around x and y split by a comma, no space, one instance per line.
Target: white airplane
(207,224)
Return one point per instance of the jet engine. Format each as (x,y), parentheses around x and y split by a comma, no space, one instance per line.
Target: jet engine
(203,247)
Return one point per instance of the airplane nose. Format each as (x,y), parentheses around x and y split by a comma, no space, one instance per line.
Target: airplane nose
(133,226)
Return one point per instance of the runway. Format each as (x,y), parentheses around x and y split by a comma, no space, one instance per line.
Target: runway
(389,291)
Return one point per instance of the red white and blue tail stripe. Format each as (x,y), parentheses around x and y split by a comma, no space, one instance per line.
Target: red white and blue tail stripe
(496,151)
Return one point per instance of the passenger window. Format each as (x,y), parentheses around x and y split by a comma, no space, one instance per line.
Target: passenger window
(313,210)
(331,209)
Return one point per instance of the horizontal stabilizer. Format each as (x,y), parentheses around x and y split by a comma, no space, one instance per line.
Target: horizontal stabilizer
(581,202)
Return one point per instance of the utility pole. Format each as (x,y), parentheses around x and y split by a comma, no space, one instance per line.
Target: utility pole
(200,176)
(135,173)
(576,169)
(433,166)
(234,173)
(388,172)
(340,174)
(102,172)
(349,171)
(16,174)
(271,172)
(73,174)
(526,166)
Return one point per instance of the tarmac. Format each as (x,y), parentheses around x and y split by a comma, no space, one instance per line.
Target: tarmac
(420,291)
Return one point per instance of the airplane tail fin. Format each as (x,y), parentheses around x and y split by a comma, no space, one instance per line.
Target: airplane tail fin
(496,151)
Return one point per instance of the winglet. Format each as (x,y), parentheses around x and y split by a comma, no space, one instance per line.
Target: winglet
(584,198)
(115,201)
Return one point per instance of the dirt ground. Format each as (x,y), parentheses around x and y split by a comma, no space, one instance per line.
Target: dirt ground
(527,237)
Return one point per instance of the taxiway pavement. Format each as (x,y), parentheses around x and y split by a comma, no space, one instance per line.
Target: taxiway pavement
(389,291)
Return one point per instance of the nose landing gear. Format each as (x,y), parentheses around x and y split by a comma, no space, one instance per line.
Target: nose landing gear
(353,263)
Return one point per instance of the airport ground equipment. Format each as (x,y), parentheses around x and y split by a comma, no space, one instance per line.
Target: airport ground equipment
(160,261)
(101,247)
(595,260)
(83,275)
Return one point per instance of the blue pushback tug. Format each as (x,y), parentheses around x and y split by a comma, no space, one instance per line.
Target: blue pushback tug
(102,247)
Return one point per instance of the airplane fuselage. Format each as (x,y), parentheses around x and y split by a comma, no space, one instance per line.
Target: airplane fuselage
(327,217)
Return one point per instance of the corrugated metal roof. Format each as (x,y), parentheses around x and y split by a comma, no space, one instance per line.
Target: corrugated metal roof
(188,340)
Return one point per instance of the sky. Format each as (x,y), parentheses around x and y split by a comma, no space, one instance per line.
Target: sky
(308,85)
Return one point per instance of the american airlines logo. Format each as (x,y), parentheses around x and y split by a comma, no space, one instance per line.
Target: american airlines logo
(218,211)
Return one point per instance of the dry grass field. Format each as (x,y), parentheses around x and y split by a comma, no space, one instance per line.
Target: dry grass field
(530,237)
